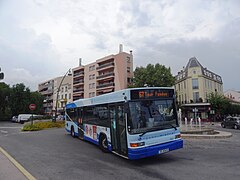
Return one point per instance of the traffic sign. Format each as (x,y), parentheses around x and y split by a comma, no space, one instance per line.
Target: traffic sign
(32,107)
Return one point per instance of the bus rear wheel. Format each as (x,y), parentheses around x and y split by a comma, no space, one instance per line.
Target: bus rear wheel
(103,144)
(72,132)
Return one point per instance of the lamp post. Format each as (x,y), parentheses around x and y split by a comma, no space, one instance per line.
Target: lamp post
(55,117)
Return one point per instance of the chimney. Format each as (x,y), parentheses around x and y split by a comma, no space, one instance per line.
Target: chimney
(120,48)
(131,52)
(80,61)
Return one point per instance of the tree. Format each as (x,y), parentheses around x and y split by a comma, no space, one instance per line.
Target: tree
(153,75)
(37,98)
(20,98)
(16,100)
(5,112)
(219,103)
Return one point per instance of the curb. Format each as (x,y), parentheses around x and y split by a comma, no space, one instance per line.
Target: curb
(220,135)
(17,165)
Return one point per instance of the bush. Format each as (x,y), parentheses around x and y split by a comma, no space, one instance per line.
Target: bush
(29,127)
(43,125)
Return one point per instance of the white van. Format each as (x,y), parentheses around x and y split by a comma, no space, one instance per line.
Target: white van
(24,117)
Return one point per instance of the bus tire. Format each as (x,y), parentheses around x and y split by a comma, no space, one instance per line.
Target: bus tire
(72,132)
(103,144)
(235,126)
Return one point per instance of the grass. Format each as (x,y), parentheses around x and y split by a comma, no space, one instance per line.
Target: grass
(37,126)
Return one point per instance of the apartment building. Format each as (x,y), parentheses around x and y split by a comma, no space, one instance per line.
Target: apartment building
(193,85)
(105,75)
(49,89)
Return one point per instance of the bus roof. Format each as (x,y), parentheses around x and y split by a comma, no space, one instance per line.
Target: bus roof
(117,96)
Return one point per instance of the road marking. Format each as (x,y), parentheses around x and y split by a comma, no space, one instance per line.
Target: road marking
(10,127)
(19,166)
(4,132)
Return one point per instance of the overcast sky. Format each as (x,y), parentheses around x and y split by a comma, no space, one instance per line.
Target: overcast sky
(42,39)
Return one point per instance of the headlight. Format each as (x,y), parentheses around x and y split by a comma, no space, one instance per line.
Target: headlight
(238,121)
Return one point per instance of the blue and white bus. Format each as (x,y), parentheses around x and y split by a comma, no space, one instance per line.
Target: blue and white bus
(133,123)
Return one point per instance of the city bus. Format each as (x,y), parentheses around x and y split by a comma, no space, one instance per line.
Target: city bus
(133,123)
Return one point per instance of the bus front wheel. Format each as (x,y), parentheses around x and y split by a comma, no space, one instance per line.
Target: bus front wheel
(103,143)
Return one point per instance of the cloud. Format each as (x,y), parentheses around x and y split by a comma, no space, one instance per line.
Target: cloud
(46,38)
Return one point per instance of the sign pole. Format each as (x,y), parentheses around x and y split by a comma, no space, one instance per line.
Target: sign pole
(32,107)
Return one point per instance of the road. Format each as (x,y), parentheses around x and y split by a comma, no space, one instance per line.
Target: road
(53,154)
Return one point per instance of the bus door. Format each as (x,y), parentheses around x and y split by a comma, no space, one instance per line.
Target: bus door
(80,123)
(118,129)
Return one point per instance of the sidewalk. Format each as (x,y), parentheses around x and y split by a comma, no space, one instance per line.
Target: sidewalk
(10,169)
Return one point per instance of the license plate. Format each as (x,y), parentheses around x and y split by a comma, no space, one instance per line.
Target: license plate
(163,151)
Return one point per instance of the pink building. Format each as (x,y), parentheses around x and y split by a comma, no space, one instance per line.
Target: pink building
(108,74)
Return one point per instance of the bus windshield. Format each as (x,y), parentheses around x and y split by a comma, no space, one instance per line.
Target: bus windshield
(151,115)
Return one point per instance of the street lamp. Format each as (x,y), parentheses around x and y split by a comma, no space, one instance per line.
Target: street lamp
(68,72)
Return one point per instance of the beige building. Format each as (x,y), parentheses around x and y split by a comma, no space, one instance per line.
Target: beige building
(108,74)
(49,89)
(193,85)
(233,96)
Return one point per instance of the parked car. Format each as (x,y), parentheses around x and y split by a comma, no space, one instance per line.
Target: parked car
(14,119)
(24,117)
(233,122)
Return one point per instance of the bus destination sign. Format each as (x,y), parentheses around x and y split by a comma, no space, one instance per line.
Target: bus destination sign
(152,93)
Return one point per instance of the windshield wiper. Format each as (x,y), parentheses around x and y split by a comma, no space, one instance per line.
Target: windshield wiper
(144,133)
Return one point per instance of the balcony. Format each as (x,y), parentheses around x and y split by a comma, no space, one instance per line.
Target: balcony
(105,75)
(76,97)
(78,74)
(78,90)
(78,82)
(105,85)
(110,64)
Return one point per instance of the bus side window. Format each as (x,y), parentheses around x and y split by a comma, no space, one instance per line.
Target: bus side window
(101,113)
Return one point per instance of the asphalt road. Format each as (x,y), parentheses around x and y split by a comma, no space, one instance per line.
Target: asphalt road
(53,154)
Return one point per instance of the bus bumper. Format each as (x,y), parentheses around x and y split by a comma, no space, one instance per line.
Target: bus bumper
(154,150)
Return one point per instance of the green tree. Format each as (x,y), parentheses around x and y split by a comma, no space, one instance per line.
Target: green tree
(153,75)
(5,111)
(219,103)
(20,98)
(37,98)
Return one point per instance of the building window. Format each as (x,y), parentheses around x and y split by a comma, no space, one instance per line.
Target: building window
(69,97)
(91,68)
(65,96)
(92,85)
(128,69)
(195,96)
(91,94)
(184,84)
(195,83)
(92,76)
(66,89)
(128,60)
